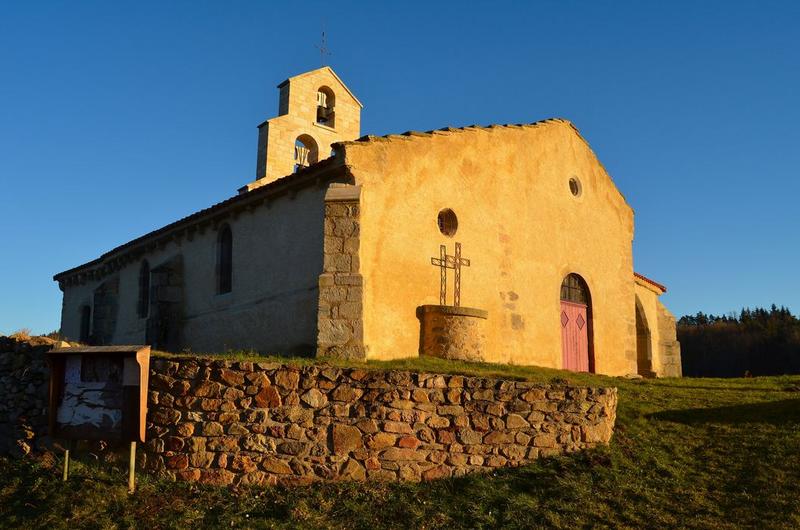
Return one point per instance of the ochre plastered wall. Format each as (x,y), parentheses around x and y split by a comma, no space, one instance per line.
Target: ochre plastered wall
(519,225)
(298,97)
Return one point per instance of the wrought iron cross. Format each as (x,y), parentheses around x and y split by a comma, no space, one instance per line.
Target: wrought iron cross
(445,262)
(323,48)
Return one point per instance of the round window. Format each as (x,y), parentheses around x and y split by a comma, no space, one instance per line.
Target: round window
(575,186)
(448,222)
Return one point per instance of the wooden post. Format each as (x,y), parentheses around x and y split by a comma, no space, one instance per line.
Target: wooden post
(132,469)
(66,462)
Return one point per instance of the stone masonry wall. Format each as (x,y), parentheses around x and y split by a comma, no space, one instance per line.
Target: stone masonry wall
(226,422)
(452,332)
(24,378)
(236,422)
(340,320)
(669,345)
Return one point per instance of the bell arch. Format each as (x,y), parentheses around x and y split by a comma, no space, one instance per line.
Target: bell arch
(306,152)
(577,344)
(326,107)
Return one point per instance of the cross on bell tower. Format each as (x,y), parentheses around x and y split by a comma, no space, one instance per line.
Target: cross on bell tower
(323,48)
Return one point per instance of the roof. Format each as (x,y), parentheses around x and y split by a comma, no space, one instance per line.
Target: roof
(312,172)
(290,181)
(647,280)
(467,128)
(100,350)
(330,71)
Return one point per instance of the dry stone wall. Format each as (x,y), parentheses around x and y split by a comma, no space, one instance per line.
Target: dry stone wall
(24,379)
(225,422)
(237,422)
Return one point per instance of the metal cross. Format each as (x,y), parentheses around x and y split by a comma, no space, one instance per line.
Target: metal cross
(445,262)
(323,48)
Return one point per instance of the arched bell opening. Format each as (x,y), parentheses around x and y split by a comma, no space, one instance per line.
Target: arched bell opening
(577,349)
(326,105)
(305,152)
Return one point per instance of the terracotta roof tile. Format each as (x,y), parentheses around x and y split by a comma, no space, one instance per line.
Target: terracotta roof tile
(651,282)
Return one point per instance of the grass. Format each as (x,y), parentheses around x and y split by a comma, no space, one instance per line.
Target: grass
(21,334)
(416,364)
(688,453)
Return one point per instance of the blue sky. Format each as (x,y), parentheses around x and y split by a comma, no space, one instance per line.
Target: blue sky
(117,118)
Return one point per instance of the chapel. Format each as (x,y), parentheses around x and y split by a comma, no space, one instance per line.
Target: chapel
(342,243)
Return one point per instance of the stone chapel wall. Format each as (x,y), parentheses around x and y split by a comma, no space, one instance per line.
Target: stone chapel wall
(277,259)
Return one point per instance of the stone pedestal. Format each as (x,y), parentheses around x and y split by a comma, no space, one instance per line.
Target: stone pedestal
(452,332)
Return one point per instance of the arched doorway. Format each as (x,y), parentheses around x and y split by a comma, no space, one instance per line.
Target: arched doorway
(576,325)
(644,354)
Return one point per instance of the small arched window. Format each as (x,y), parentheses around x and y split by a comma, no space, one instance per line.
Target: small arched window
(143,306)
(573,289)
(225,260)
(86,324)
(305,152)
(326,104)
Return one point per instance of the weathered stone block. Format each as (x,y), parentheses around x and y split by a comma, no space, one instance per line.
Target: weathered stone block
(353,470)
(267,397)
(496,437)
(382,440)
(273,464)
(217,477)
(598,433)
(515,421)
(230,377)
(397,427)
(286,378)
(396,453)
(314,398)
(345,438)
(408,442)
(469,437)
(544,440)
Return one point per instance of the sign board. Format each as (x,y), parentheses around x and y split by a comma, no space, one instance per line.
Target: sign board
(99,392)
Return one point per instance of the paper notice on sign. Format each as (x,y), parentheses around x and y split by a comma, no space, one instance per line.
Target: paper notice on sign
(72,369)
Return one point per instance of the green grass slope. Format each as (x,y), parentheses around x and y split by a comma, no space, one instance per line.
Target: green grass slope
(688,453)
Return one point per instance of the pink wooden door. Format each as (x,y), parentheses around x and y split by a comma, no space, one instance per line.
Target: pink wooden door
(574,337)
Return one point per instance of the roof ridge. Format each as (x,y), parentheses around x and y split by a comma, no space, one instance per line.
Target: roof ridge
(466,128)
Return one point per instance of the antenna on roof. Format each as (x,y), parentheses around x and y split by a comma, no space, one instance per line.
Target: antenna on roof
(323,47)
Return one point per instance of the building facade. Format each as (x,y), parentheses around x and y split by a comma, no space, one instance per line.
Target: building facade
(332,254)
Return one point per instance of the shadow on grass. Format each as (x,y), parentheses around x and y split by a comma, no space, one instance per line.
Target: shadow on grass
(730,388)
(773,412)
